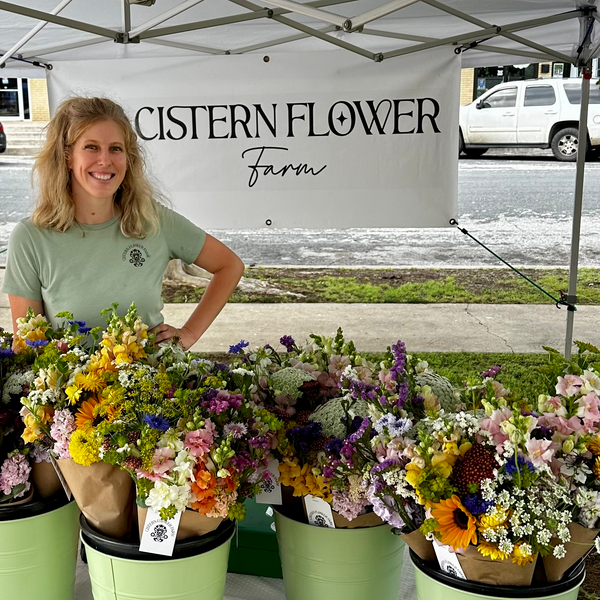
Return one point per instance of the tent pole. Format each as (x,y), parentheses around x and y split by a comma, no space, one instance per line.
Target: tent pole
(575,236)
(31,33)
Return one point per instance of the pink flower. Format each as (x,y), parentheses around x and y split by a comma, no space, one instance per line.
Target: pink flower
(588,411)
(568,385)
(492,424)
(388,381)
(198,442)
(540,451)
(15,471)
(162,460)
(286,403)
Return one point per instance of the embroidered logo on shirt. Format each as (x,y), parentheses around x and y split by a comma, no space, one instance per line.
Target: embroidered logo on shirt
(135,255)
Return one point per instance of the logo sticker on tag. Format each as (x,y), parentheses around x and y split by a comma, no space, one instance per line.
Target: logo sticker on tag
(158,536)
(448,560)
(318,512)
(271,489)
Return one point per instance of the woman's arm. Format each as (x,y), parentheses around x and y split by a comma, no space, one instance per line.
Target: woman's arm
(19,306)
(227,270)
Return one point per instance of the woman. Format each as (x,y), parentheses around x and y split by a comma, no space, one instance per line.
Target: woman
(98,235)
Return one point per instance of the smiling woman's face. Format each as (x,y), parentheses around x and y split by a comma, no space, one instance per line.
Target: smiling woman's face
(98,162)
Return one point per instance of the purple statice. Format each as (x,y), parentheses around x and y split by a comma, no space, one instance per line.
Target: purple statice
(217,403)
(346,507)
(304,437)
(243,461)
(61,429)
(237,348)
(354,437)
(334,446)
(361,390)
(347,450)
(476,505)
(402,391)
(399,354)
(382,510)
(511,468)
(492,372)
(156,422)
(382,466)
(15,471)
(259,442)
(36,343)
(396,426)
(288,342)
(218,367)
(328,473)
(237,430)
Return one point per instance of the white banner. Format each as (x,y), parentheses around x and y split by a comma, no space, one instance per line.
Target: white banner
(312,140)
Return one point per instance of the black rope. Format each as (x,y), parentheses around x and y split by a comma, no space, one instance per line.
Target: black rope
(559,302)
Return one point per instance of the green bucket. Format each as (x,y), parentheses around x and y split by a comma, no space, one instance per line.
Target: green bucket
(434,584)
(196,571)
(38,549)
(325,563)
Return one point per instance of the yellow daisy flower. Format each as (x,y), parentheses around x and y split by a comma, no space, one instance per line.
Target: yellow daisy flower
(520,557)
(594,446)
(493,552)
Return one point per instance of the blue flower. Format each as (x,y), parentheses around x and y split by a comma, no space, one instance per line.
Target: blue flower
(476,505)
(36,343)
(511,468)
(6,353)
(156,422)
(288,342)
(82,328)
(238,347)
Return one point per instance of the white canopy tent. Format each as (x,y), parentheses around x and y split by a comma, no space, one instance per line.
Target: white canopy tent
(34,34)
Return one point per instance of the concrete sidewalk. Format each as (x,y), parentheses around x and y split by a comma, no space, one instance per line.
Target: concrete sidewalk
(373,327)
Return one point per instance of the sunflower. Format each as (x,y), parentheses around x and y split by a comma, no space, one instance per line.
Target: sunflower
(85,415)
(596,468)
(522,554)
(455,524)
(594,446)
(494,553)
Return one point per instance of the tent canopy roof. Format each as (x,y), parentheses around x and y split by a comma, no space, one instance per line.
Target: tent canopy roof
(489,32)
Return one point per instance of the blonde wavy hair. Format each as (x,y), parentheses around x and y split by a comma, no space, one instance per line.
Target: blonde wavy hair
(55,208)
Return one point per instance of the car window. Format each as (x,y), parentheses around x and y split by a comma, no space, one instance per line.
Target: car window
(573,91)
(505,98)
(539,95)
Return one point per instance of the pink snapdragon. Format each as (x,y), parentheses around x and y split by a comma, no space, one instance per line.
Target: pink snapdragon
(569,385)
(588,411)
(540,451)
(61,429)
(492,425)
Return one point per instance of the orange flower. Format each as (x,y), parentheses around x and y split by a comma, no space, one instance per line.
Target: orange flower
(205,500)
(204,479)
(456,525)
(85,415)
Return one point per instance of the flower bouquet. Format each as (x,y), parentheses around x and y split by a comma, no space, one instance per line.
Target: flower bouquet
(570,415)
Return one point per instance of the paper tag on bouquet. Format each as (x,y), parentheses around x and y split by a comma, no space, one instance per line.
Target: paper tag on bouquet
(318,512)
(448,560)
(271,489)
(61,478)
(158,536)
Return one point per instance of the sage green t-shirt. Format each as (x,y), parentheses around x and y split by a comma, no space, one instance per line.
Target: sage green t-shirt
(88,267)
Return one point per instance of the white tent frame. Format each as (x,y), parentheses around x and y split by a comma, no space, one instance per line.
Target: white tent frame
(330,23)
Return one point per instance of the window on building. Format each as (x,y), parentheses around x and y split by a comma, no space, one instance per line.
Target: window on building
(539,95)
(506,98)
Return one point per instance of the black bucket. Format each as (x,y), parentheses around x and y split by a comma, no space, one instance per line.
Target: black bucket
(434,584)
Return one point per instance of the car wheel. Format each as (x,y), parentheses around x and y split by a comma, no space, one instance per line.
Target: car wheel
(475,152)
(461,143)
(565,144)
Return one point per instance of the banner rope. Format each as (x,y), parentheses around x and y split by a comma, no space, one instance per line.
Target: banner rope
(558,302)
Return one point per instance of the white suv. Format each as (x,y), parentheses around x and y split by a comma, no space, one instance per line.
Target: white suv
(541,113)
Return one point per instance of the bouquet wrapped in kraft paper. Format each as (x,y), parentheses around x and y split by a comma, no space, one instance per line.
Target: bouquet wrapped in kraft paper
(104,494)
(191,524)
(482,569)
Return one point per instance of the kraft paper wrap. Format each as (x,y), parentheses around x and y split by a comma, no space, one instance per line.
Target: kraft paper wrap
(495,572)
(192,523)
(104,494)
(582,541)
(366,520)
(44,479)
(420,545)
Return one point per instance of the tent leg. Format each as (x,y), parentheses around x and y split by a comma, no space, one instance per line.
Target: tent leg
(575,236)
